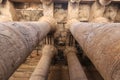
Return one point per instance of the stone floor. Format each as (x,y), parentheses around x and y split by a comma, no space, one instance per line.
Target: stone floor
(25,70)
(57,72)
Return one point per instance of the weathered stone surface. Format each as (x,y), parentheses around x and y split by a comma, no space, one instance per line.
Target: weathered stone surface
(101,43)
(17,41)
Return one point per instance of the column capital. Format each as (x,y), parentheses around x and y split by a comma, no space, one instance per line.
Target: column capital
(49,20)
(49,50)
(47,2)
(1,1)
(105,2)
(70,50)
(70,22)
(75,1)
